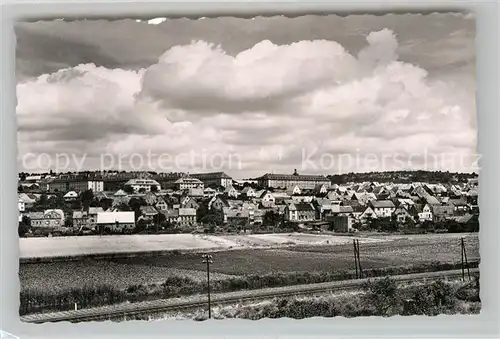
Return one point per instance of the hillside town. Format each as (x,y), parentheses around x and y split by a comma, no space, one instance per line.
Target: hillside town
(141,202)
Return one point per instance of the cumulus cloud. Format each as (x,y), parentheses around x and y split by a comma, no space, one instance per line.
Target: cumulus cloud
(265,105)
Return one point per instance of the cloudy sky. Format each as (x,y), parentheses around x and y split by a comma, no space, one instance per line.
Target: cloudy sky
(321,94)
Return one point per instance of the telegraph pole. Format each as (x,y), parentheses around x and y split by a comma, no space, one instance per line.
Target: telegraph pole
(207,259)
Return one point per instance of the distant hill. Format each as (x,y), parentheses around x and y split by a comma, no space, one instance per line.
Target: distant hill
(403,177)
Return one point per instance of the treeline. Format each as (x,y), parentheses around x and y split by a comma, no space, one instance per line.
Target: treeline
(433,177)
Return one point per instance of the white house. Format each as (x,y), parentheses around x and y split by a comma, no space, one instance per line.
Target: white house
(115,221)
(267,199)
(70,196)
(21,205)
(368,213)
(294,190)
(426,214)
(249,192)
(230,191)
(146,184)
(383,208)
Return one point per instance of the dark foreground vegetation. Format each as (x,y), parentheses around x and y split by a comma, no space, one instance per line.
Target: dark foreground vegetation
(38,301)
(380,298)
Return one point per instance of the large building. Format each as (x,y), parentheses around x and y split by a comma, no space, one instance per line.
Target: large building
(143,184)
(214,179)
(188,183)
(289,181)
(71,182)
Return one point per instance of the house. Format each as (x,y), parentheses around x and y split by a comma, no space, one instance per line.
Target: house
(267,199)
(302,198)
(345,211)
(21,205)
(248,192)
(293,190)
(300,212)
(49,218)
(367,214)
(115,221)
(357,211)
(442,212)
(383,208)
(171,215)
(363,198)
(70,196)
(340,223)
(324,208)
(28,199)
(146,185)
(148,213)
(161,205)
(208,192)
(86,218)
(187,217)
(320,189)
(80,219)
(402,214)
(424,212)
(239,217)
(258,217)
(195,192)
(189,202)
(460,205)
(217,202)
(231,192)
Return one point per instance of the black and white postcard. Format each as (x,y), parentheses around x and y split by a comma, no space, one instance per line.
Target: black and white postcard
(266,167)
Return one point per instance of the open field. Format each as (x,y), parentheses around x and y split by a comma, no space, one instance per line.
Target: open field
(88,245)
(91,245)
(121,273)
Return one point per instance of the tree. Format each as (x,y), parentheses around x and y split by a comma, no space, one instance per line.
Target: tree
(410,223)
(271,218)
(69,221)
(142,190)
(24,226)
(154,188)
(135,205)
(20,189)
(128,189)
(86,198)
(141,225)
(42,203)
(106,203)
(22,229)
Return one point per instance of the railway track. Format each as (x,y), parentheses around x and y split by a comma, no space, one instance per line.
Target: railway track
(122,311)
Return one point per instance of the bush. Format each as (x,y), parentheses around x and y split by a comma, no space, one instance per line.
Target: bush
(383,296)
(430,299)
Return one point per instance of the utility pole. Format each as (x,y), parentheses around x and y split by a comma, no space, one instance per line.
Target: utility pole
(462,250)
(359,260)
(465,262)
(207,259)
(355,257)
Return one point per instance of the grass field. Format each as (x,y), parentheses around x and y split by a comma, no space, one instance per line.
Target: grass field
(317,257)
(92,245)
